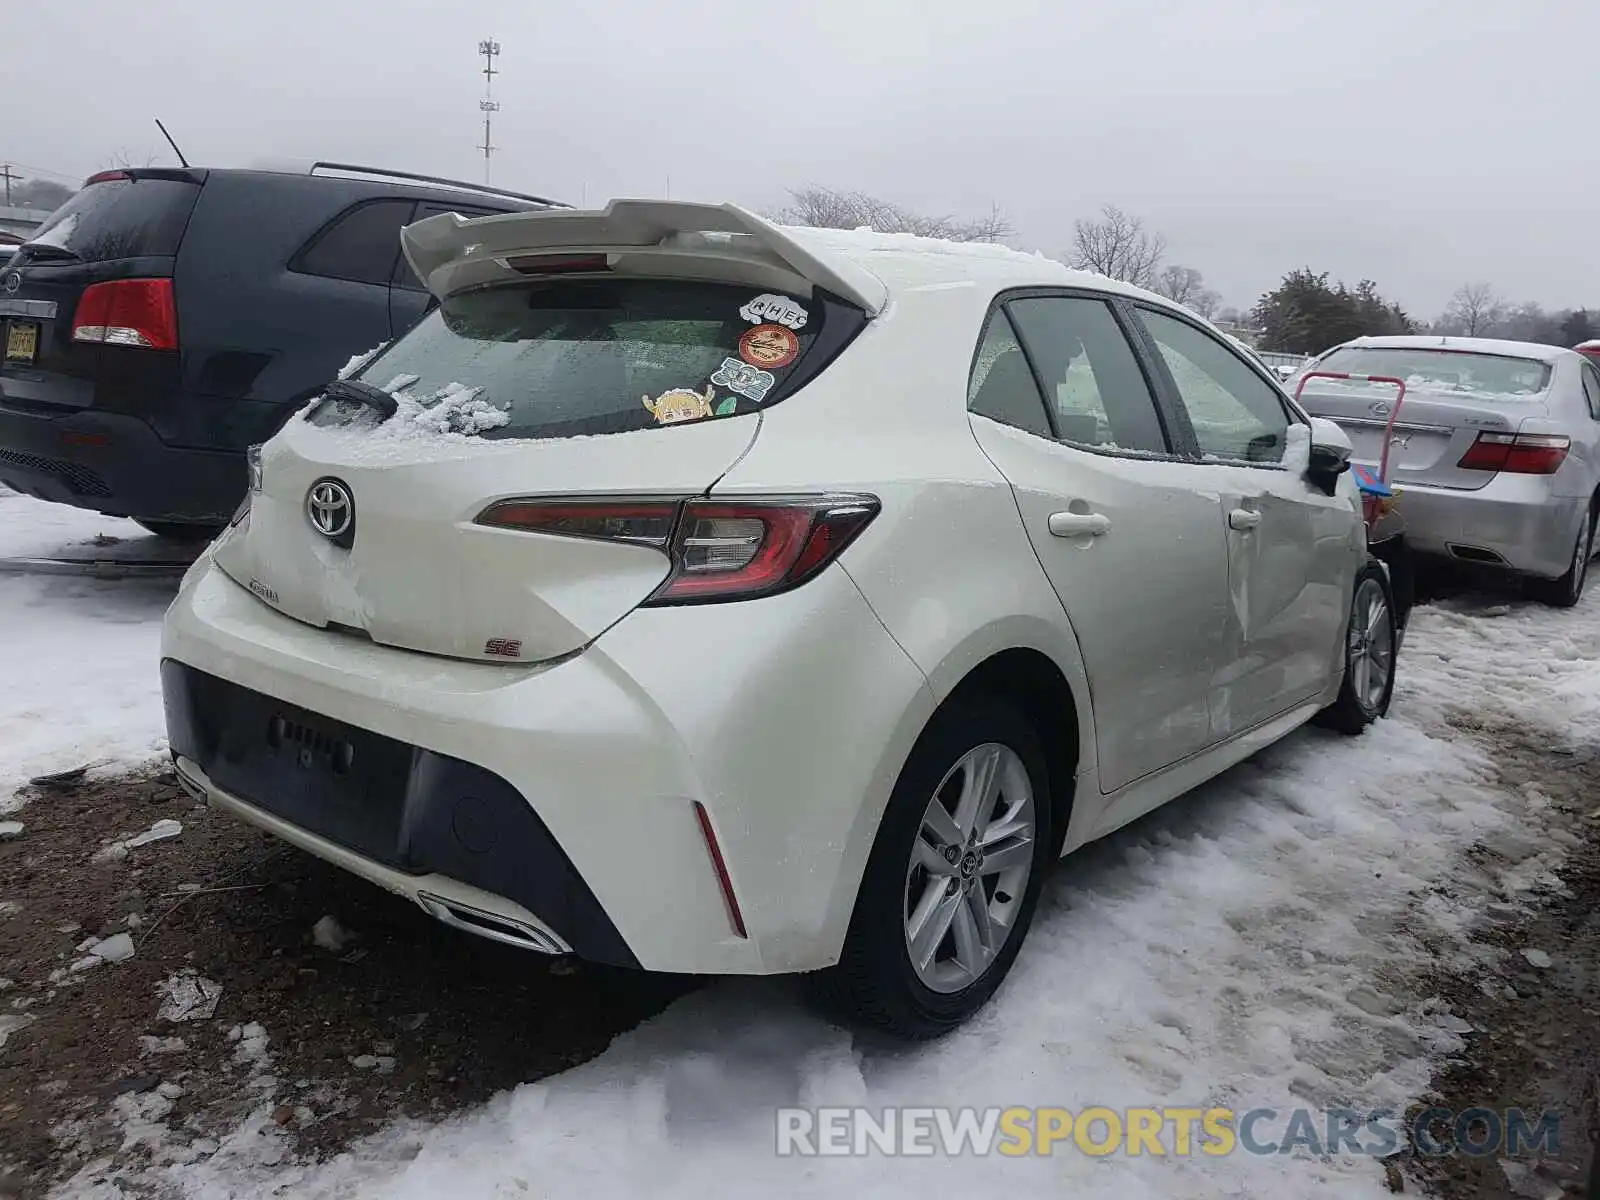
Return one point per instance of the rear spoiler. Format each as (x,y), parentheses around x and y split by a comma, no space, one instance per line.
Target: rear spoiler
(699,240)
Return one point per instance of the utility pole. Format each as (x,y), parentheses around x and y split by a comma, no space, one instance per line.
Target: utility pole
(490,50)
(5,173)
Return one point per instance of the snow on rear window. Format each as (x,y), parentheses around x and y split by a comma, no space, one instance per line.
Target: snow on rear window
(577,357)
(1442,371)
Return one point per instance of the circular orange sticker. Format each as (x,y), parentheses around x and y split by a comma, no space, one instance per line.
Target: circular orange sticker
(769,346)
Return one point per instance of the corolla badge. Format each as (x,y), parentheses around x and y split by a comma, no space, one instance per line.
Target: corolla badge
(332,511)
(11,282)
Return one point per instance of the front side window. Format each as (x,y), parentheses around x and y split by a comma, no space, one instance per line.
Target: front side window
(1100,395)
(570,357)
(1235,413)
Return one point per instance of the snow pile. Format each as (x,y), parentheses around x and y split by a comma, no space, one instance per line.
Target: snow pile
(1241,947)
(359,361)
(454,408)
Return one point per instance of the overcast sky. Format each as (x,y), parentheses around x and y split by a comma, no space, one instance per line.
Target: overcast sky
(1421,143)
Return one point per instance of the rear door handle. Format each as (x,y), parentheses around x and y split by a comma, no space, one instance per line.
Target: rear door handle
(1243,518)
(1071,524)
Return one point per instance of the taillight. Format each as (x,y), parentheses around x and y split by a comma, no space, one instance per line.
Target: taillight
(1517,453)
(730,550)
(643,522)
(106,177)
(128,312)
(720,549)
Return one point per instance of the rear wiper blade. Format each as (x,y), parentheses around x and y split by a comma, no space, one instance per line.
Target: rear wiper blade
(363,394)
(42,251)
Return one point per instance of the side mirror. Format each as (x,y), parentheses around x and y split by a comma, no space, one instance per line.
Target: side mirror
(1330,454)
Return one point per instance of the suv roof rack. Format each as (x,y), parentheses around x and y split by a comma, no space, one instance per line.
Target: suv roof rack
(353,169)
(301,167)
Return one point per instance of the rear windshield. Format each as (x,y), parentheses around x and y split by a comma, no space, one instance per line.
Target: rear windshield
(120,218)
(563,358)
(1450,371)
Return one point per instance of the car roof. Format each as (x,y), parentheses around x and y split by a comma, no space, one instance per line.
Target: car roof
(905,260)
(1465,345)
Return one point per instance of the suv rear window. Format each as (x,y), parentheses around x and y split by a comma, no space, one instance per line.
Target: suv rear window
(118,218)
(1457,371)
(564,358)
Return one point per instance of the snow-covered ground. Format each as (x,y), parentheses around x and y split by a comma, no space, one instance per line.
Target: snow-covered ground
(1249,946)
(78,658)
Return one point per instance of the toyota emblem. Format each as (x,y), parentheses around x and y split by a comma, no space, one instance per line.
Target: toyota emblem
(332,511)
(1380,409)
(12,282)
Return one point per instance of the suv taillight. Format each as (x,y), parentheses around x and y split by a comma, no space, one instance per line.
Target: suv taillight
(720,549)
(1518,453)
(128,312)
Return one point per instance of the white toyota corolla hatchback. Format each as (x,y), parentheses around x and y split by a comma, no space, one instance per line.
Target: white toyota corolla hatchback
(689,593)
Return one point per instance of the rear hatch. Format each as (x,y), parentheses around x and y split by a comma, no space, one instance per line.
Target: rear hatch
(1452,396)
(88,299)
(550,425)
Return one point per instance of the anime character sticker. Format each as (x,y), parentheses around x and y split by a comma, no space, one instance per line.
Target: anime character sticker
(680,404)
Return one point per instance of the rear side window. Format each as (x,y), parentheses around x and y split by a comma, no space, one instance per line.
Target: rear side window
(118,218)
(1490,376)
(361,245)
(563,358)
(1591,389)
(1100,395)
(404,276)
(1002,386)
(1235,413)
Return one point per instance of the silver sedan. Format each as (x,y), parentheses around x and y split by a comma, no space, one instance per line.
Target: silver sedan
(1496,448)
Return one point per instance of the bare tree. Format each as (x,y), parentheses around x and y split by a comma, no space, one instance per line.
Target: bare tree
(1179,284)
(1119,246)
(826,208)
(1205,303)
(1476,309)
(1186,286)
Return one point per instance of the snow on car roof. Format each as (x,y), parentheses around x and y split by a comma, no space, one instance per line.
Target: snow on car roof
(1466,345)
(907,259)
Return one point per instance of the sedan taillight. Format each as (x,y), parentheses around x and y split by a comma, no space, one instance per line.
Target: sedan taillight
(1518,453)
(720,549)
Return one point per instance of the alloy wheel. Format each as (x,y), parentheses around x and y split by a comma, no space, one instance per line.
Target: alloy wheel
(1371,648)
(969,868)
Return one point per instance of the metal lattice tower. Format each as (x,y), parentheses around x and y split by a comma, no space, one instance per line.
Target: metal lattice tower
(489,50)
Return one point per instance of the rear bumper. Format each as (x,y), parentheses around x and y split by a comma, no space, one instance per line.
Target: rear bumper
(115,464)
(786,719)
(1512,522)
(484,913)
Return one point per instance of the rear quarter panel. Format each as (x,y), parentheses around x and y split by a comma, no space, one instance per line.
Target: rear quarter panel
(946,566)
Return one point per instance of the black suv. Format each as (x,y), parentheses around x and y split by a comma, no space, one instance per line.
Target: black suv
(162,321)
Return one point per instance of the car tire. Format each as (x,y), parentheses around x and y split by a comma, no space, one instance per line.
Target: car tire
(912,874)
(181,531)
(1568,590)
(1371,648)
